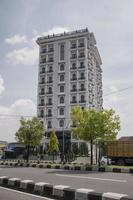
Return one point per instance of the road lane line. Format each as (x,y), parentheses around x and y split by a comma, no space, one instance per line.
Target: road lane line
(28,194)
(93,178)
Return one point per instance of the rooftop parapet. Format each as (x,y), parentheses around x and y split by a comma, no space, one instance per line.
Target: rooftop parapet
(62,34)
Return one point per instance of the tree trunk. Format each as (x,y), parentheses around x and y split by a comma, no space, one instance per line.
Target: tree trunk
(91,142)
(96,152)
(53,157)
(28,153)
(99,156)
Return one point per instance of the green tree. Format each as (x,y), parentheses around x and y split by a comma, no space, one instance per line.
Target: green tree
(30,133)
(53,144)
(92,125)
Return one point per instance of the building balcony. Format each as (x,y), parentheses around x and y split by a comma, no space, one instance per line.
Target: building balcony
(44,51)
(73,56)
(51,50)
(73,79)
(49,104)
(73,102)
(50,92)
(42,72)
(74,90)
(81,55)
(83,101)
(81,45)
(49,71)
(41,104)
(42,61)
(49,81)
(49,127)
(42,83)
(73,46)
(81,67)
(41,93)
(40,116)
(81,78)
(82,90)
(50,60)
(49,115)
(73,68)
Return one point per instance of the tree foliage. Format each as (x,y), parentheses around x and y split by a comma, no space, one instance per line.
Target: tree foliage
(30,132)
(92,125)
(53,144)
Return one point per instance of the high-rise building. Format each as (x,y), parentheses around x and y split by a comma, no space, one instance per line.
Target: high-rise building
(69,75)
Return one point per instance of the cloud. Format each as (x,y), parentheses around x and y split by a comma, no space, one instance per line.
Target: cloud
(9,124)
(24,56)
(56,30)
(16,39)
(2,88)
(29,55)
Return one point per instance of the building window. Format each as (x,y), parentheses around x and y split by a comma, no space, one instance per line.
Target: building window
(82,87)
(61,123)
(74,88)
(43,59)
(50,48)
(43,70)
(73,54)
(81,43)
(43,80)
(50,90)
(62,67)
(74,99)
(73,44)
(81,64)
(73,65)
(49,124)
(50,59)
(62,78)
(42,102)
(44,49)
(82,98)
(49,101)
(74,77)
(62,51)
(50,80)
(42,90)
(41,113)
(62,88)
(82,75)
(81,54)
(50,69)
(61,100)
(61,111)
(49,112)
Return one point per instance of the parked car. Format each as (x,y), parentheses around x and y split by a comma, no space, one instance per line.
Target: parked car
(105,160)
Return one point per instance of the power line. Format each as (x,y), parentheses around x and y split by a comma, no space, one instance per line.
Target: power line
(121,90)
(29,116)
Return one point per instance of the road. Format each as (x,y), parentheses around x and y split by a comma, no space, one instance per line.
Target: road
(9,194)
(101,182)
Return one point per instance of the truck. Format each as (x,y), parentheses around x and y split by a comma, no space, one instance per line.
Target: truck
(120,152)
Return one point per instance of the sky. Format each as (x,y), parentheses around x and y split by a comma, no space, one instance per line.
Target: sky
(23,21)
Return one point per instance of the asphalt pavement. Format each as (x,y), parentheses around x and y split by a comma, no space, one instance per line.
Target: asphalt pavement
(99,181)
(9,194)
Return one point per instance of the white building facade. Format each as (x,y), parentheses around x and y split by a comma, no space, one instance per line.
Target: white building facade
(69,75)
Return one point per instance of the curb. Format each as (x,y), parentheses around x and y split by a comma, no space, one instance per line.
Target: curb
(67,167)
(58,191)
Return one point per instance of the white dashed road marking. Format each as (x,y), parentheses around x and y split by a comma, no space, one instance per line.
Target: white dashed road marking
(92,178)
